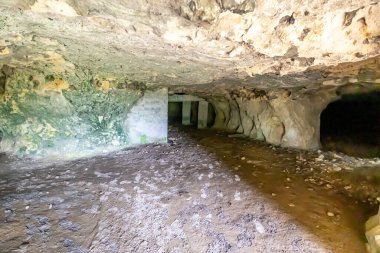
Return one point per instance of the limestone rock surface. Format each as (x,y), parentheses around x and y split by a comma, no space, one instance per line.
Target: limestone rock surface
(185,42)
(373,233)
(268,67)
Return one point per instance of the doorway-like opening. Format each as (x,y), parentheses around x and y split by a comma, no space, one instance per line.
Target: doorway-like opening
(351,125)
(196,113)
(174,113)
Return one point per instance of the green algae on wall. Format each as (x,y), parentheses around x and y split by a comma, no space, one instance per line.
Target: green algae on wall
(69,122)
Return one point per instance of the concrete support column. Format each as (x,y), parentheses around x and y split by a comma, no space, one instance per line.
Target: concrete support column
(202,114)
(186,111)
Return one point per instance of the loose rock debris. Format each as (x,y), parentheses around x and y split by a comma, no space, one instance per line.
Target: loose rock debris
(196,194)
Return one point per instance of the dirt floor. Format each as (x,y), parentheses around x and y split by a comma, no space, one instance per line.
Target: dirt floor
(202,192)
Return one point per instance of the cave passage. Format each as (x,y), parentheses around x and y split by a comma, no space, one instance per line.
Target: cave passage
(174,113)
(188,113)
(352,125)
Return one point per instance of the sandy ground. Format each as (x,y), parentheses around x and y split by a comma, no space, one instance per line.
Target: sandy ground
(203,192)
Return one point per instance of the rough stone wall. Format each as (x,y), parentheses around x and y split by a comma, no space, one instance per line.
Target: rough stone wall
(373,233)
(56,115)
(280,119)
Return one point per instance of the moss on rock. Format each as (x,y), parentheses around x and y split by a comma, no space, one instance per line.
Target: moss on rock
(38,121)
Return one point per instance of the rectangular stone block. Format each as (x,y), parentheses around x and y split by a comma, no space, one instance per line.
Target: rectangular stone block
(147,122)
(202,114)
(186,112)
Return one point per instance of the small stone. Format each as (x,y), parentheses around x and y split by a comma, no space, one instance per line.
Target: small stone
(237,178)
(237,196)
(27,207)
(274,194)
(243,158)
(288,179)
(291,205)
(204,193)
(330,214)
(320,158)
(68,243)
(259,227)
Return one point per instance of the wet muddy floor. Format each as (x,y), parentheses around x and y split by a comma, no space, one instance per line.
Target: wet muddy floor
(202,192)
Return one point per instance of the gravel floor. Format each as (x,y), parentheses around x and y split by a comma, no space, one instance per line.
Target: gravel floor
(203,192)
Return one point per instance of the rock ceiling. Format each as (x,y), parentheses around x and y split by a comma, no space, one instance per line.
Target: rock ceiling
(180,43)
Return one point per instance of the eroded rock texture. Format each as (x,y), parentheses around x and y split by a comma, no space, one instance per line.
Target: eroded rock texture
(373,233)
(37,111)
(190,42)
(277,117)
(74,72)
(62,115)
(294,56)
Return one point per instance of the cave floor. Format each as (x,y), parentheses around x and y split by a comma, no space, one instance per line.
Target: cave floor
(204,192)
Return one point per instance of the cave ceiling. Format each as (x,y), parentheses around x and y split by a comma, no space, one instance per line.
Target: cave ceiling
(198,43)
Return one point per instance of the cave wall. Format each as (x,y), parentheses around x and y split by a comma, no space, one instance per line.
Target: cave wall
(54,115)
(280,119)
(372,228)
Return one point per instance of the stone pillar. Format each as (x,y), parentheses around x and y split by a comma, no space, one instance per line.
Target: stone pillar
(186,111)
(202,114)
(372,228)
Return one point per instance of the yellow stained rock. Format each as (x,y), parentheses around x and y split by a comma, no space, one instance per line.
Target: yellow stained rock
(105,85)
(57,85)
(4,51)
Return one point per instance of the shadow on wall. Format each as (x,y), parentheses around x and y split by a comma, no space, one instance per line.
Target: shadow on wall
(352,125)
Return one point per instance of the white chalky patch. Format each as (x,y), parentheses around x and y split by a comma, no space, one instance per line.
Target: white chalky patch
(204,194)
(259,227)
(237,196)
(137,178)
(104,175)
(195,219)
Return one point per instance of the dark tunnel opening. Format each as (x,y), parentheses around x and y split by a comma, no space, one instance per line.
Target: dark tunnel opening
(351,125)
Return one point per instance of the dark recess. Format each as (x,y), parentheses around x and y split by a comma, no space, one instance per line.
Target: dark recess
(352,125)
